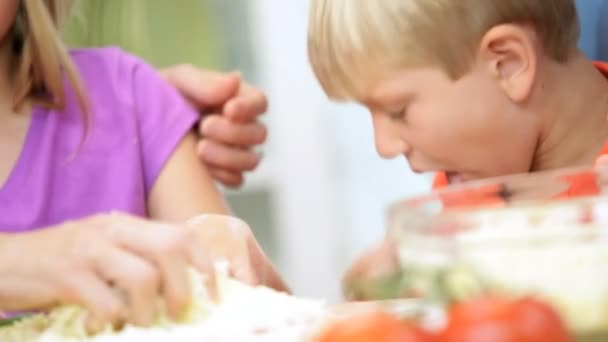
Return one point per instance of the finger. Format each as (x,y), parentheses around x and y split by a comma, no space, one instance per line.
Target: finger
(167,247)
(375,274)
(265,272)
(374,263)
(205,88)
(601,165)
(135,277)
(247,106)
(222,238)
(204,264)
(241,268)
(226,157)
(236,235)
(231,179)
(96,296)
(176,283)
(601,162)
(222,129)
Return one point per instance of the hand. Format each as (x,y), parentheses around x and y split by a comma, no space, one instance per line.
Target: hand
(601,165)
(601,162)
(231,239)
(230,126)
(115,266)
(371,274)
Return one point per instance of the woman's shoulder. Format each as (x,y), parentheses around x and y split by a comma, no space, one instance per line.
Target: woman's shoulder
(110,73)
(107,68)
(107,57)
(129,98)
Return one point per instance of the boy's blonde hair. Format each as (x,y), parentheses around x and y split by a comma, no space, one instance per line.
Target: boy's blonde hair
(349,38)
(41,60)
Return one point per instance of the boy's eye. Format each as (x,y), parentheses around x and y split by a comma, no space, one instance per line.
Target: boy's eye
(398,115)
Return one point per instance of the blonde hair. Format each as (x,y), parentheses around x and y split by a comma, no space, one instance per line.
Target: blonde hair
(347,38)
(41,60)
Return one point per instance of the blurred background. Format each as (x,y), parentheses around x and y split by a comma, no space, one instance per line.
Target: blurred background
(319,197)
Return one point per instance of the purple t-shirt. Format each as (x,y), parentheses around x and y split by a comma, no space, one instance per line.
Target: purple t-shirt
(136,122)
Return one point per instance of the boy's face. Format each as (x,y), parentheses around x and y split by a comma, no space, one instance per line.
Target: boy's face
(468,127)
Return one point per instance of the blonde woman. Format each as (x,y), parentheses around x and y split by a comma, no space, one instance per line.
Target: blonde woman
(97,160)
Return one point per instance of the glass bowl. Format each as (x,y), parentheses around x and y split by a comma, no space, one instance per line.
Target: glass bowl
(540,234)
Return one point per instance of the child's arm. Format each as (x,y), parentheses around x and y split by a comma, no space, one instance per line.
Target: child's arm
(184,187)
(178,188)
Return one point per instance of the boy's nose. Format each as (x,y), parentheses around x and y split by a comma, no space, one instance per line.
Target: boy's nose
(388,142)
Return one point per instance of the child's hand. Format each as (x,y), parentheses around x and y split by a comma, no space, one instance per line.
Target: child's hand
(601,164)
(230,127)
(228,238)
(116,266)
(366,277)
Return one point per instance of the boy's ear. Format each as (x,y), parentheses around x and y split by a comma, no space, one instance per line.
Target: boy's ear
(510,54)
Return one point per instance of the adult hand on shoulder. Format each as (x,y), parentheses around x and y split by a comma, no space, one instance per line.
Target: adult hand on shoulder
(230,126)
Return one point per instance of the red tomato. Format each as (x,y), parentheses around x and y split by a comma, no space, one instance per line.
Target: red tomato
(537,322)
(480,320)
(373,327)
(499,320)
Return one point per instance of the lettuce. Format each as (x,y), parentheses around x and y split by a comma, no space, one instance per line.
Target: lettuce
(240,312)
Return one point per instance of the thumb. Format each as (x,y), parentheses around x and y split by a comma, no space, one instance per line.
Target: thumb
(204,88)
(217,89)
(602,162)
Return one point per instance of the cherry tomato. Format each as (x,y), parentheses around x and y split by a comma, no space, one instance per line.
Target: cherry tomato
(500,320)
(373,327)
(537,322)
(480,320)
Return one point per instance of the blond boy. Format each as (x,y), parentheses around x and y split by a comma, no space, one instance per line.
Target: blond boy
(468,89)
(472,88)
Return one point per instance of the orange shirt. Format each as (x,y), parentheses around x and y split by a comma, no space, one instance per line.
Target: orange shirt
(580,184)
